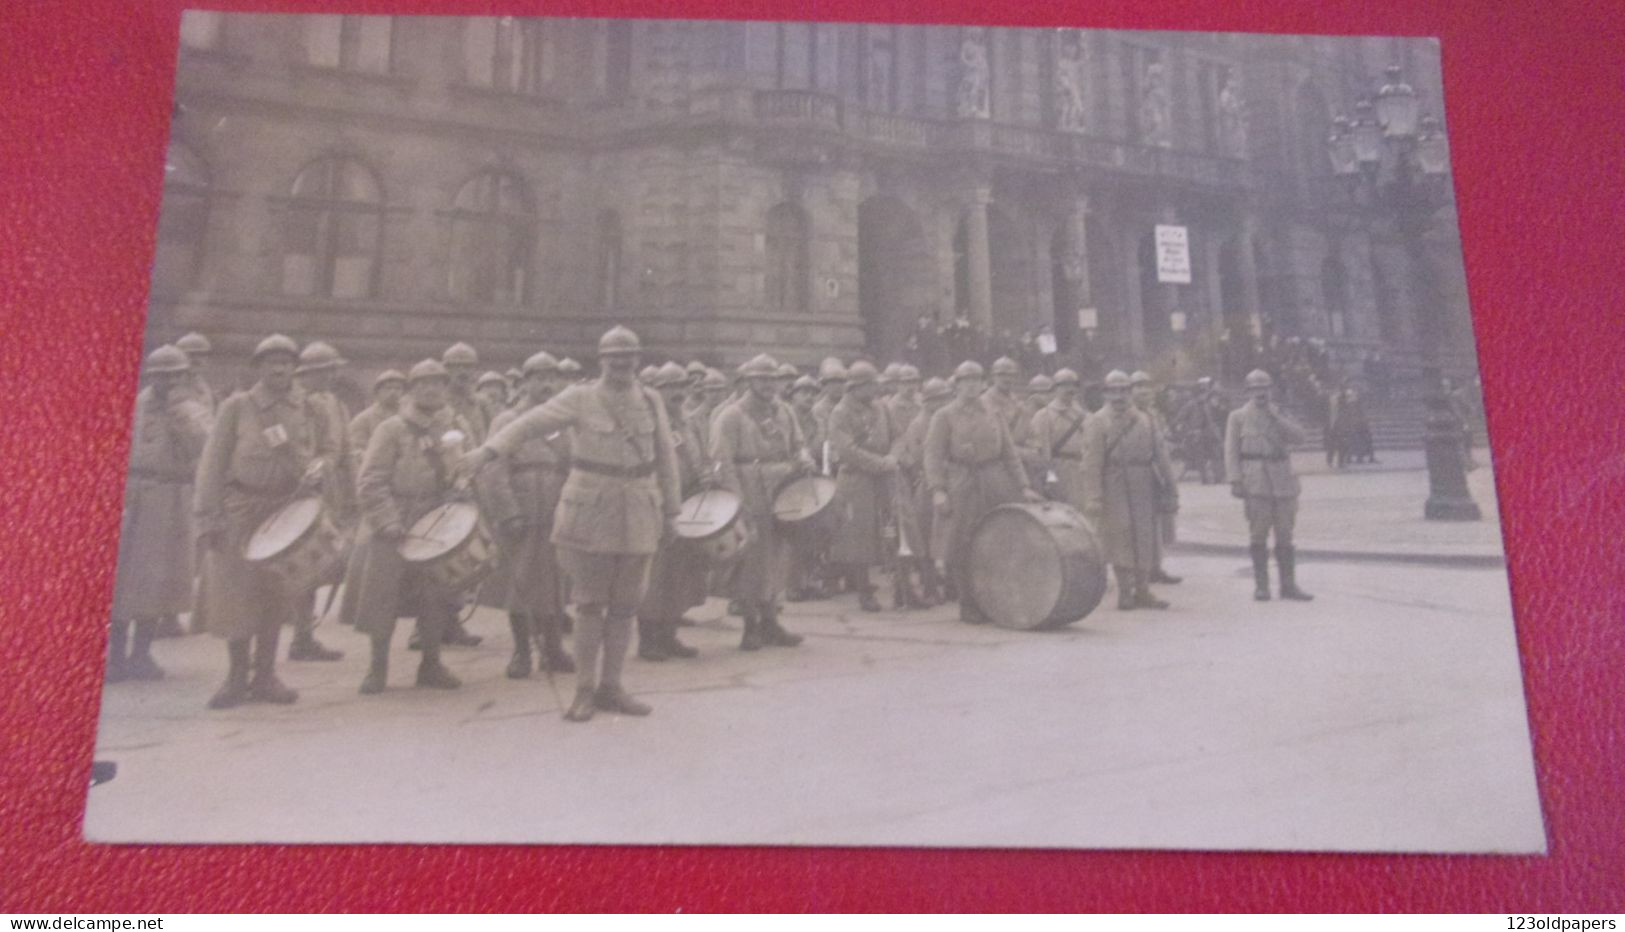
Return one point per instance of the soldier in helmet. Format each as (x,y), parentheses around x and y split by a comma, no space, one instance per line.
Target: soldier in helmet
(462,361)
(572,371)
(1258,441)
(832,380)
(199,351)
(678,576)
(783,379)
(1001,397)
(266,447)
(904,403)
(387,389)
(915,514)
(1201,422)
(408,471)
(757,446)
(1143,391)
(491,391)
(807,549)
(519,502)
(1057,441)
(1125,463)
(861,434)
(318,367)
(972,466)
(617,503)
(155,540)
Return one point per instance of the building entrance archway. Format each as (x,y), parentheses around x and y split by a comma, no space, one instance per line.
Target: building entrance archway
(895,277)
(1014,273)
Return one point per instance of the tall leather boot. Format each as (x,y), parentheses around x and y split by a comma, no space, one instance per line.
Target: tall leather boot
(455,635)
(1287,557)
(772,633)
(669,642)
(610,695)
(1142,593)
(1261,571)
(650,645)
(519,663)
(931,582)
(589,647)
(234,692)
(265,687)
(857,577)
(1126,588)
(752,638)
(306,647)
(140,666)
(551,654)
(378,669)
(432,674)
(118,649)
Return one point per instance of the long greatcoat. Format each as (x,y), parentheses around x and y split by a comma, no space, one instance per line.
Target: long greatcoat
(678,577)
(755,451)
(257,453)
(525,484)
(155,565)
(969,455)
(861,435)
(1057,444)
(1125,463)
(915,515)
(405,474)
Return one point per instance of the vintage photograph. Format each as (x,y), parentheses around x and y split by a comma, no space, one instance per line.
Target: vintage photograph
(686,432)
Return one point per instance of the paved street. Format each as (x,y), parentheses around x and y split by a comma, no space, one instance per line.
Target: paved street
(1385,716)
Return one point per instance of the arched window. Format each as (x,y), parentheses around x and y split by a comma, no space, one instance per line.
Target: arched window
(607,257)
(786,260)
(508,53)
(349,43)
(183,221)
(332,231)
(493,233)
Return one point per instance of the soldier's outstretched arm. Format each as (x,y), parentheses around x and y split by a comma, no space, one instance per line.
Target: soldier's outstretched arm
(561,411)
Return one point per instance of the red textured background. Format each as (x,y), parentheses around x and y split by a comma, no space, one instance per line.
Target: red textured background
(1536,99)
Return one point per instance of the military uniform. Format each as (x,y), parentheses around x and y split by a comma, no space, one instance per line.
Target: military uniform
(862,434)
(969,456)
(677,579)
(1258,462)
(1126,470)
(916,522)
(1057,440)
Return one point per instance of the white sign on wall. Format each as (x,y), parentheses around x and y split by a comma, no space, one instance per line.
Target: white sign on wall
(1173,255)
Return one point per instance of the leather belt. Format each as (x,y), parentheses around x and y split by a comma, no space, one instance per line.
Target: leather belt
(612,469)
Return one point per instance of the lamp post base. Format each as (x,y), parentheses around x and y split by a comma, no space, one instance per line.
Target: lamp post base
(1452,508)
(1448,497)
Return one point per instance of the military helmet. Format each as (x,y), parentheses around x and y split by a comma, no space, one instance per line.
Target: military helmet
(1117,379)
(619,341)
(761,366)
(1065,377)
(787,372)
(460,354)
(540,363)
(891,373)
(1004,365)
(804,383)
(647,374)
(695,370)
(1141,377)
(1258,378)
(1040,384)
(714,379)
(670,374)
(907,373)
(195,344)
(319,355)
(861,372)
(831,370)
(275,343)
(427,369)
(387,376)
(935,388)
(491,378)
(167,358)
(969,369)
(569,367)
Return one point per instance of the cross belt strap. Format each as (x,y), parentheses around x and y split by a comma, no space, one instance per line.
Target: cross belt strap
(612,469)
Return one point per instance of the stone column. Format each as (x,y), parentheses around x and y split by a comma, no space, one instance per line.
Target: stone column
(979,259)
(1247,267)
(1076,261)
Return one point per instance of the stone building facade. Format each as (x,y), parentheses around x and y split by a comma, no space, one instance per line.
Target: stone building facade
(393,184)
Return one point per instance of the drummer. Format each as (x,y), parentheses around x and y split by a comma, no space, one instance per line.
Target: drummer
(319,364)
(861,435)
(971,466)
(617,503)
(263,451)
(757,447)
(406,473)
(678,576)
(518,496)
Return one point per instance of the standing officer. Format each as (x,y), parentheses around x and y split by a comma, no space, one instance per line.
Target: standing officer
(972,467)
(318,365)
(861,435)
(406,473)
(155,541)
(1057,441)
(757,446)
(1125,463)
(678,576)
(617,503)
(1143,389)
(1258,442)
(264,450)
(519,502)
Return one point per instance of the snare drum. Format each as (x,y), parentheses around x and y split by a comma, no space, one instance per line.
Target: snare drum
(450,546)
(710,521)
(802,505)
(298,545)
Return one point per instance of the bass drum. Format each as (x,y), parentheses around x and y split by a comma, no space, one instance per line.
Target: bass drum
(1036,566)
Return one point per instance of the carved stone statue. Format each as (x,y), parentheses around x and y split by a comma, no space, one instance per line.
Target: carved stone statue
(1156,108)
(971,99)
(1232,118)
(1071,81)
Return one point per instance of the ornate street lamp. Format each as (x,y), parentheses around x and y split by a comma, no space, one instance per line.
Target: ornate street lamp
(1395,165)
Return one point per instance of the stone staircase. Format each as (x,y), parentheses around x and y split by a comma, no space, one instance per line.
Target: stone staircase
(1396,425)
